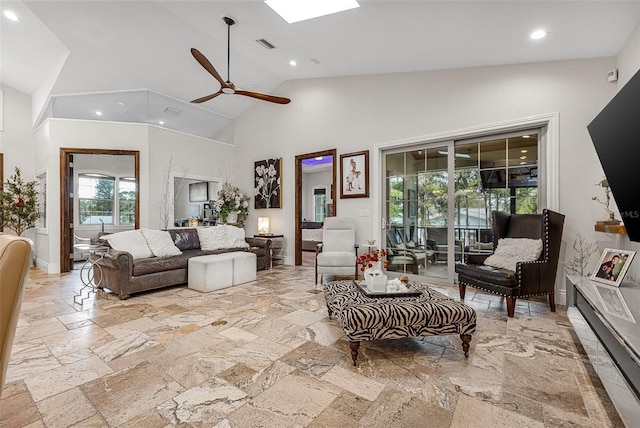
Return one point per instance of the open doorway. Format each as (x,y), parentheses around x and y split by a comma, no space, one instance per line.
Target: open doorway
(315,193)
(69,200)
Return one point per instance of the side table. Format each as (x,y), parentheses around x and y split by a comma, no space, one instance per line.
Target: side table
(277,247)
(87,272)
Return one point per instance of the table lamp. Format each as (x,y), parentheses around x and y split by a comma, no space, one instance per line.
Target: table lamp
(263,225)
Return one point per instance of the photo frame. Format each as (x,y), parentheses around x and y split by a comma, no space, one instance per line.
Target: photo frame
(612,266)
(199,192)
(613,302)
(354,175)
(268,183)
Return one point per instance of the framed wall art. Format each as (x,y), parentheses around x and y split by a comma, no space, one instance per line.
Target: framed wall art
(612,266)
(268,184)
(199,192)
(354,175)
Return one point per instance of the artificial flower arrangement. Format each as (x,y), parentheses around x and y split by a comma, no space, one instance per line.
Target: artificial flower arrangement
(230,199)
(367,260)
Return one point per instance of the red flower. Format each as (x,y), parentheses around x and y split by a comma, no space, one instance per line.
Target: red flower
(367,260)
(20,202)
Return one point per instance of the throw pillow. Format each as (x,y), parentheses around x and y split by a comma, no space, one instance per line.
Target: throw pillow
(212,237)
(131,241)
(235,237)
(510,251)
(160,243)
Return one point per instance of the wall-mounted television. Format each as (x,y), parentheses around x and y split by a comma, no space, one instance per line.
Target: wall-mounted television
(615,133)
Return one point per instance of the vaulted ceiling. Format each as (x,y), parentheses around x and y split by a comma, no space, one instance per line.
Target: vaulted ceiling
(94,46)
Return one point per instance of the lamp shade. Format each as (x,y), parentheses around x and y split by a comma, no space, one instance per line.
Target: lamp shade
(263,225)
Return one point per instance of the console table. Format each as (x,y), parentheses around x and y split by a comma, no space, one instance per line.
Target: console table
(277,247)
(613,314)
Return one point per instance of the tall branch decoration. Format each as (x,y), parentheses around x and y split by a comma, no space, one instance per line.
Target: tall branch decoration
(268,191)
(18,204)
(166,202)
(584,250)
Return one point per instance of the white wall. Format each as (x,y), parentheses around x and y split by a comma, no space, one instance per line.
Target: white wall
(354,113)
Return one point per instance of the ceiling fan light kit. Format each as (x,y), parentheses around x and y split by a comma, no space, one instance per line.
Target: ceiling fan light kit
(227,87)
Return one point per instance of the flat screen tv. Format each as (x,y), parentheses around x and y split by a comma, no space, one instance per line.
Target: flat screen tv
(521,176)
(615,133)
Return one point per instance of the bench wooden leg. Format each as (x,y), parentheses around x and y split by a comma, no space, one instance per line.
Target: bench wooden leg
(354,350)
(552,302)
(463,288)
(466,338)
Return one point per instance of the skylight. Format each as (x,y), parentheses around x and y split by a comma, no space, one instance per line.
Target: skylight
(296,10)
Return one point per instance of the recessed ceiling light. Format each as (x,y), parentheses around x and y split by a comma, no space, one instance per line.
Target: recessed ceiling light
(296,10)
(523,157)
(293,63)
(121,103)
(538,34)
(523,163)
(526,136)
(160,122)
(318,158)
(11,15)
(98,113)
(524,151)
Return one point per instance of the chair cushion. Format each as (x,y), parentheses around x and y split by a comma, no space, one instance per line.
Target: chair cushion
(487,274)
(336,259)
(510,251)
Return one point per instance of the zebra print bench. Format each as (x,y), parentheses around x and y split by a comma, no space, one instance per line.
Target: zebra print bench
(370,318)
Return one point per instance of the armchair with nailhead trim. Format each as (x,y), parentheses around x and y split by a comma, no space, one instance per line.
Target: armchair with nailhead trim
(536,278)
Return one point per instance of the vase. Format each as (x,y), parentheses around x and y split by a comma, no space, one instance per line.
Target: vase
(232,217)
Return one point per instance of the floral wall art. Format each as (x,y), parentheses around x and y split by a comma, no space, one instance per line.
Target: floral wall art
(268,190)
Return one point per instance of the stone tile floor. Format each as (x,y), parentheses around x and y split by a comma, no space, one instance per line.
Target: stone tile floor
(265,354)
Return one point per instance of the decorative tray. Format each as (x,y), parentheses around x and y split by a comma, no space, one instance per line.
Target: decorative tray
(363,287)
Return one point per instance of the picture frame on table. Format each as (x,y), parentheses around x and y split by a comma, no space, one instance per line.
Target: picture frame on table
(354,175)
(612,266)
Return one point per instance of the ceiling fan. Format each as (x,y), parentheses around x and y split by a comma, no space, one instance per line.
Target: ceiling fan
(228,87)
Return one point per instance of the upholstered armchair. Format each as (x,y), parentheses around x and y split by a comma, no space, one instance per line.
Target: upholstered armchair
(530,278)
(15,260)
(337,253)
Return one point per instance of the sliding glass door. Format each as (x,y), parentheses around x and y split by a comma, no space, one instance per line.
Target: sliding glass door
(439,198)
(417,212)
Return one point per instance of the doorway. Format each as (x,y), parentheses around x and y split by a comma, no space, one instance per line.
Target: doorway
(330,198)
(67,197)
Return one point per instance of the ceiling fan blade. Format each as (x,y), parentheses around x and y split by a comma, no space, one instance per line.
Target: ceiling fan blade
(207,98)
(204,62)
(264,97)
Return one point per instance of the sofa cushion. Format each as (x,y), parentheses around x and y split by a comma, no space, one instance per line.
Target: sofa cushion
(235,237)
(185,239)
(156,264)
(131,241)
(160,243)
(510,251)
(213,237)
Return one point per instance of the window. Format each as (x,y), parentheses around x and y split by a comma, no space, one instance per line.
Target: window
(320,204)
(97,202)
(95,198)
(127,200)
(42,200)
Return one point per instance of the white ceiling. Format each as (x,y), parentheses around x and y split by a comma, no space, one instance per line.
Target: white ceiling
(114,46)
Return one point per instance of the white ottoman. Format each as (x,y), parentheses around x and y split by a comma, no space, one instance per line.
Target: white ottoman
(210,273)
(244,267)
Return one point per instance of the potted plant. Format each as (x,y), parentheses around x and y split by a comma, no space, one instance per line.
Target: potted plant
(18,204)
(230,203)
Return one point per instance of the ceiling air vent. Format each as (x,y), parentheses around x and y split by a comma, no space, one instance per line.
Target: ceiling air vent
(314,60)
(265,44)
(172,111)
